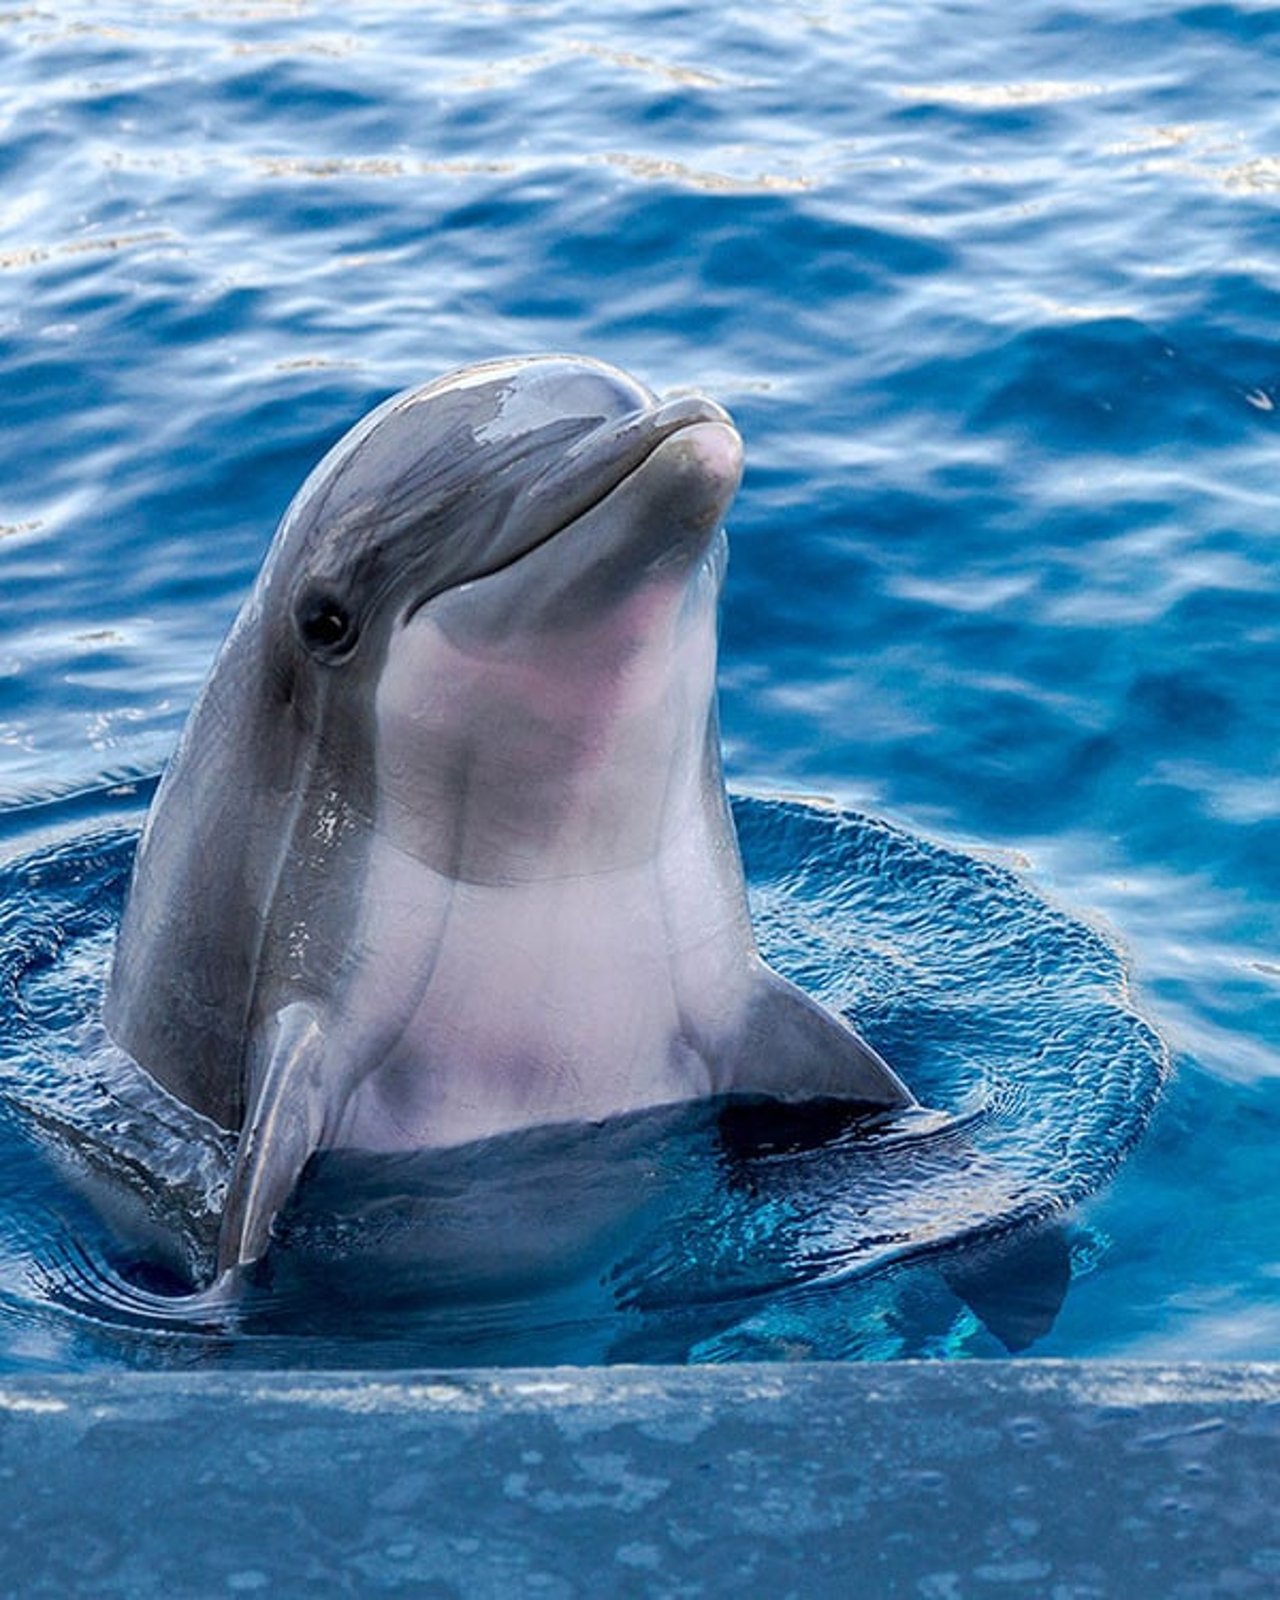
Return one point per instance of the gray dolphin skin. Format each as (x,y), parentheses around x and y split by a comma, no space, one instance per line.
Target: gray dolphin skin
(444,851)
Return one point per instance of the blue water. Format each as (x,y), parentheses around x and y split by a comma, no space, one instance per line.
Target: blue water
(991,293)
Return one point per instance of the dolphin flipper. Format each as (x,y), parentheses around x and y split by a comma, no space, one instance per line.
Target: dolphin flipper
(794,1049)
(283,1125)
(1015,1287)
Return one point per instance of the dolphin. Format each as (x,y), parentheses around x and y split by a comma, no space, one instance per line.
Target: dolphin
(444,850)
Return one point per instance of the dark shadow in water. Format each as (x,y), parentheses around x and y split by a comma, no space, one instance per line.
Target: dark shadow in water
(1015,1286)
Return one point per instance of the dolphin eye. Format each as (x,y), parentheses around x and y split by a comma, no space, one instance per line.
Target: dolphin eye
(325,624)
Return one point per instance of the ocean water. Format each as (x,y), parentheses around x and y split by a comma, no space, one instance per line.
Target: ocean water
(992,294)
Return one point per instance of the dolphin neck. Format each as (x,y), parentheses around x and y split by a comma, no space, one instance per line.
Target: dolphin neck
(509,765)
(599,827)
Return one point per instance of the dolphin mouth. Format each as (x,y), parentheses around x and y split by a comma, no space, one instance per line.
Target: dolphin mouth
(585,474)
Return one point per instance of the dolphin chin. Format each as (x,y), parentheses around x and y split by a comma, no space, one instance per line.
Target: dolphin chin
(444,851)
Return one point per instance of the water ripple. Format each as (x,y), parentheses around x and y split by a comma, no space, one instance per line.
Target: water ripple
(1010,1020)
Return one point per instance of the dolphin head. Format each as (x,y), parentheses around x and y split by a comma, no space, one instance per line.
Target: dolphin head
(505,582)
(462,478)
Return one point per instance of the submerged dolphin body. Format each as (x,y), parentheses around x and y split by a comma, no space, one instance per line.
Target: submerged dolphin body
(444,850)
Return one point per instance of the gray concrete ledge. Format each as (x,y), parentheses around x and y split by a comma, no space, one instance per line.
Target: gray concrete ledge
(1063,1480)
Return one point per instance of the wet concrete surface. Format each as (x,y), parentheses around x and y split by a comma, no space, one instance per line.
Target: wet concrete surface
(1064,1480)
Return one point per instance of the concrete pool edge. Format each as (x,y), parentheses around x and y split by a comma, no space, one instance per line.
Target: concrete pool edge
(1063,1479)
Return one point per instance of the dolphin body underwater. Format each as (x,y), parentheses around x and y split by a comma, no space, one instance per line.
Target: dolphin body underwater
(444,851)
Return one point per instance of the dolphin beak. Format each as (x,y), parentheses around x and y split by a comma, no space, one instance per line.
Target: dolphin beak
(592,468)
(589,470)
(598,462)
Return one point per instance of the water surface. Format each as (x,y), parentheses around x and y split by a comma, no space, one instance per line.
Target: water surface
(992,297)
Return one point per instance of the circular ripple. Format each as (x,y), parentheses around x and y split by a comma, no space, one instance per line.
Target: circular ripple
(1010,1019)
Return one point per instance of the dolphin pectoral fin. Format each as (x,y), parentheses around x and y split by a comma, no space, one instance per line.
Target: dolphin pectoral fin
(1015,1287)
(282,1127)
(793,1048)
